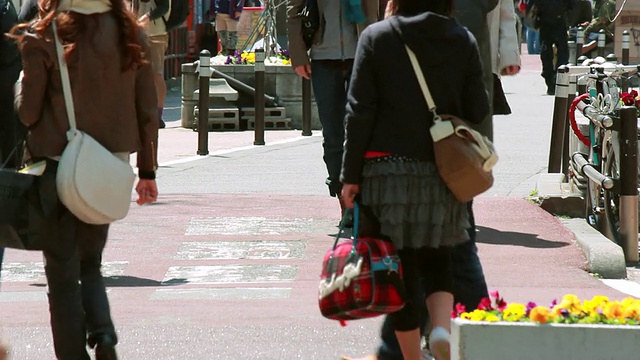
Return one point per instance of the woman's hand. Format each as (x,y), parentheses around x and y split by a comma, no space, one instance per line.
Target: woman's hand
(349,192)
(510,70)
(303,71)
(147,191)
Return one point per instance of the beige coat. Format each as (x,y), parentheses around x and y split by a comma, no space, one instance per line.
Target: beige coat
(504,37)
(118,109)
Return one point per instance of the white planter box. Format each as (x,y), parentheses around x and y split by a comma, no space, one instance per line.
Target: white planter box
(473,340)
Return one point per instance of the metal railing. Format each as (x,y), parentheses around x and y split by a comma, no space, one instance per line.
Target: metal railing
(177,52)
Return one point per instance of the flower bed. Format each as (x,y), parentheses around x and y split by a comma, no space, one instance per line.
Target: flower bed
(597,329)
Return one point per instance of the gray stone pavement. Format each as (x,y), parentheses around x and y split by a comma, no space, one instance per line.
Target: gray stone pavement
(226,264)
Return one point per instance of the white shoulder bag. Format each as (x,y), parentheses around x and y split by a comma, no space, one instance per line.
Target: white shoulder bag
(94,184)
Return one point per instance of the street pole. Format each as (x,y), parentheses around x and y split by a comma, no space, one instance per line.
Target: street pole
(203,102)
(626,37)
(571,95)
(629,183)
(306,107)
(259,98)
(602,37)
(559,124)
(579,44)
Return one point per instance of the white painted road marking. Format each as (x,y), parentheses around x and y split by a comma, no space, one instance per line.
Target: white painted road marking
(248,225)
(34,271)
(226,274)
(232,250)
(626,286)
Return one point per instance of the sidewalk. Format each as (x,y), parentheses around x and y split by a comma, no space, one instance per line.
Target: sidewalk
(226,264)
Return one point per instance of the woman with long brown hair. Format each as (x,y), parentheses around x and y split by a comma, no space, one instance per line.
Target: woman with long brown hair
(115,103)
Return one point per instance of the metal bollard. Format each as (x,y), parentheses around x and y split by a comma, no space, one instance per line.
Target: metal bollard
(258,121)
(629,183)
(306,107)
(204,68)
(579,43)
(572,52)
(602,37)
(559,125)
(571,95)
(626,37)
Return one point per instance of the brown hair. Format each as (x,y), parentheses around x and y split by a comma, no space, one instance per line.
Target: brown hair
(71,25)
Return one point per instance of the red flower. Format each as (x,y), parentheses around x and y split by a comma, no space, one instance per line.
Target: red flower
(629,99)
(485,304)
(459,309)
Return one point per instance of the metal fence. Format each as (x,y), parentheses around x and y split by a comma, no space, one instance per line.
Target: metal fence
(177,53)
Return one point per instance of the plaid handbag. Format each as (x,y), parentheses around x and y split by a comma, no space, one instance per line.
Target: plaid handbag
(361,277)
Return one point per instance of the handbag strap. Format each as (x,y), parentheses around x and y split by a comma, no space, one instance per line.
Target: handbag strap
(423,83)
(66,83)
(356,224)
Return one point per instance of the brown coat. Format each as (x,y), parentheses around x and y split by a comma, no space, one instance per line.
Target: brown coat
(297,49)
(118,109)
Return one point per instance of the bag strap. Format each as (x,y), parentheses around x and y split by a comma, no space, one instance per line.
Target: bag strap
(356,224)
(423,83)
(66,83)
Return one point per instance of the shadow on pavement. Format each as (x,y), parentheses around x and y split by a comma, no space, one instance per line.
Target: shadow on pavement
(497,237)
(133,281)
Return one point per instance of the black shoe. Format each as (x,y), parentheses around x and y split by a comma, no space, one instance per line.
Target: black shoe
(105,347)
(551,91)
(161,124)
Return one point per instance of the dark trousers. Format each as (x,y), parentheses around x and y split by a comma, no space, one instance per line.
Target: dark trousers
(77,294)
(330,81)
(469,287)
(553,34)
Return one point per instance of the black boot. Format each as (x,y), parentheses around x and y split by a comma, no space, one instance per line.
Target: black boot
(105,347)
(161,124)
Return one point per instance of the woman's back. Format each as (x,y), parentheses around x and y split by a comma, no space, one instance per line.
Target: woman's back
(110,99)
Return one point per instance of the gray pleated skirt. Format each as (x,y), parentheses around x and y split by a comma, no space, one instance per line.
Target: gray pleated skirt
(413,205)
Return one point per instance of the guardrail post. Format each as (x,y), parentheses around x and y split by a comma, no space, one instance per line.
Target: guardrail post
(573,59)
(204,68)
(602,38)
(571,95)
(626,37)
(579,43)
(259,98)
(629,183)
(306,107)
(559,125)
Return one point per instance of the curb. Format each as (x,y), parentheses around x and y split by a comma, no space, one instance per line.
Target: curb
(604,257)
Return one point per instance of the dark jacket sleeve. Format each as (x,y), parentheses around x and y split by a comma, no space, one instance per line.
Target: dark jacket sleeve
(146,110)
(161,9)
(360,112)
(475,104)
(30,91)
(297,48)
(28,11)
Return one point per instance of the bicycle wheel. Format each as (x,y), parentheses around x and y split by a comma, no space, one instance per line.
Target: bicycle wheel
(611,199)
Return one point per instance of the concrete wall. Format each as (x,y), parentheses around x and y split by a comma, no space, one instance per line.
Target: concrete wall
(530,341)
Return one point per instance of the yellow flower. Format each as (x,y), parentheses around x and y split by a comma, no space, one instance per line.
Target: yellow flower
(286,62)
(491,318)
(540,314)
(632,311)
(514,312)
(570,303)
(477,315)
(614,310)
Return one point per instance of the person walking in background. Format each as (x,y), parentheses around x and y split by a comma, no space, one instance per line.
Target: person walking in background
(604,11)
(152,15)
(116,104)
(328,64)
(227,16)
(505,51)
(552,21)
(389,158)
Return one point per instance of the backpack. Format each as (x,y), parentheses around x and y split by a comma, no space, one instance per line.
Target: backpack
(178,14)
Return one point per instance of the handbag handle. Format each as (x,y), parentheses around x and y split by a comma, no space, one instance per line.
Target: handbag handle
(423,83)
(356,224)
(66,83)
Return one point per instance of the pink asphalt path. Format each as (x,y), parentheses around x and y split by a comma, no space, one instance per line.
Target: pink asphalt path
(527,254)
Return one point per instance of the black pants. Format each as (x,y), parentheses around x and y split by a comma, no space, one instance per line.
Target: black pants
(553,34)
(77,294)
(434,266)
